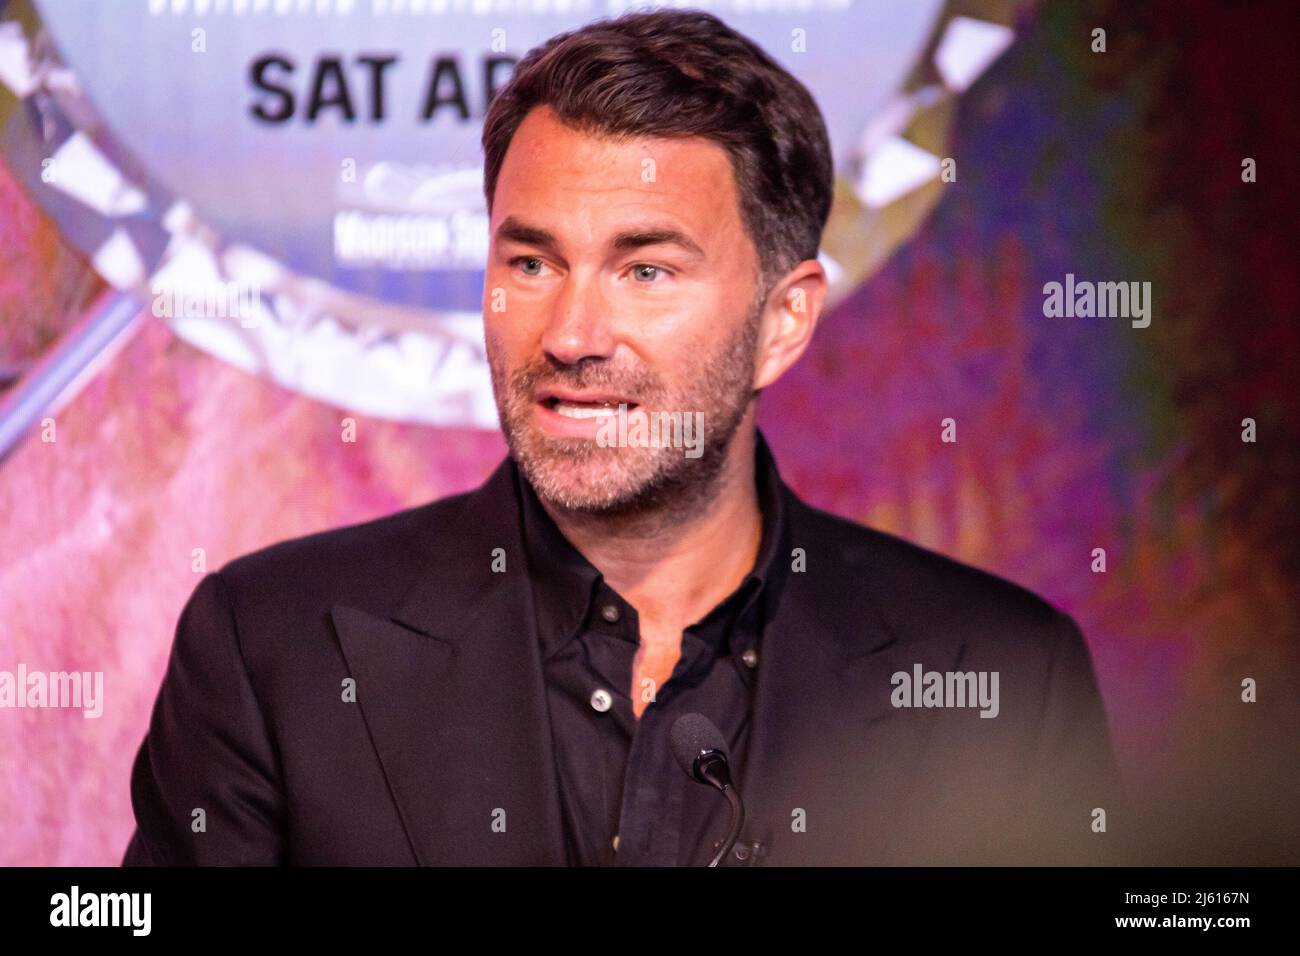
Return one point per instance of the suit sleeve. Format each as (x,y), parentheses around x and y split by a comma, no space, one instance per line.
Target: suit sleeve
(1077,773)
(205,786)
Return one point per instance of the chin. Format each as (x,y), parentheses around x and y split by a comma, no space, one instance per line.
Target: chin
(588,485)
(588,479)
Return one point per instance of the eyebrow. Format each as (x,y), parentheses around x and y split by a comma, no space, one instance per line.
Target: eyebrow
(515,230)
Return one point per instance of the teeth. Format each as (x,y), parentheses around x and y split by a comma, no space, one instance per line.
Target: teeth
(585,411)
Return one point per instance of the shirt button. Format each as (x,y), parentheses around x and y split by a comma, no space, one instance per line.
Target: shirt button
(600,699)
(750,658)
(610,613)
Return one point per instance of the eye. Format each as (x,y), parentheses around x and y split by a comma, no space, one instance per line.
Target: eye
(530,263)
(646,274)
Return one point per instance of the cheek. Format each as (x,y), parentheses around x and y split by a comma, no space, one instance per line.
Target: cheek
(502,352)
(516,308)
(680,359)
(696,332)
(510,331)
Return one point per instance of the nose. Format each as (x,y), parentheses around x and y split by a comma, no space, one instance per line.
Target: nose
(579,326)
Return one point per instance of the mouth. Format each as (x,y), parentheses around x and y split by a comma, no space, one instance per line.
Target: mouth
(578,405)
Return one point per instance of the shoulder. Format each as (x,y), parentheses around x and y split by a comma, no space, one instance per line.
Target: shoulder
(918,591)
(368,564)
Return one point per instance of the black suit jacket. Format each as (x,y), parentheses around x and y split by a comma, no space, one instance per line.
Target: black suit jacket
(258,754)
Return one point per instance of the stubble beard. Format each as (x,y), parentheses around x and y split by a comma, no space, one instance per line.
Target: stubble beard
(587,481)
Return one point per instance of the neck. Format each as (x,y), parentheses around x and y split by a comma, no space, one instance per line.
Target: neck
(674,567)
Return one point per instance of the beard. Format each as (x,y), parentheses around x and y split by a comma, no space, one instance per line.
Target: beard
(581,477)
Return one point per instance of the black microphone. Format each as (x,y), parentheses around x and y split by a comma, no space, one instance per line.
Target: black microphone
(701,752)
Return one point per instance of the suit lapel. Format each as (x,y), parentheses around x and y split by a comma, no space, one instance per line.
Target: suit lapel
(826,739)
(451,690)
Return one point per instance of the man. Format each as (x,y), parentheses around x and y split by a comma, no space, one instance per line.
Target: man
(493,678)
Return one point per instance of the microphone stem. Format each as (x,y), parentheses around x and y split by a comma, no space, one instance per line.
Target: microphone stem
(737,823)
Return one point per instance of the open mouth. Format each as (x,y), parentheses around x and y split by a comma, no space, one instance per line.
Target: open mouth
(599,408)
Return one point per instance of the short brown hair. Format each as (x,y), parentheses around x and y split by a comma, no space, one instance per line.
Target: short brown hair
(686,73)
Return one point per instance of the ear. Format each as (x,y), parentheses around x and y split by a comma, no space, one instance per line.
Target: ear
(790,316)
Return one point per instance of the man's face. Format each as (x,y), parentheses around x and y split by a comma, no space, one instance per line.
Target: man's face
(619,272)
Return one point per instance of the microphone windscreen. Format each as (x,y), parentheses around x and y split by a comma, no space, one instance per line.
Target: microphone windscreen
(692,735)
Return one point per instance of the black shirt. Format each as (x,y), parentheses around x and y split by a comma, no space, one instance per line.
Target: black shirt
(617,775)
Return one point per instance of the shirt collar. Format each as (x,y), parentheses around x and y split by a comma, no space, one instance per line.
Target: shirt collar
(565,583)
